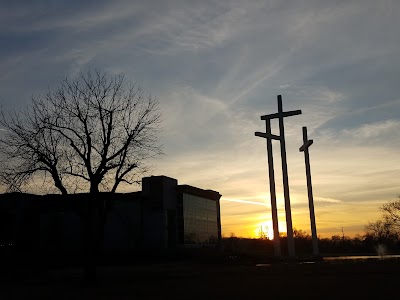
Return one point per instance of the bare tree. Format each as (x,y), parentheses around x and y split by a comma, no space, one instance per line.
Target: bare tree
(387,228)
(92,133)
(391,211)
(381,230)
(27,149)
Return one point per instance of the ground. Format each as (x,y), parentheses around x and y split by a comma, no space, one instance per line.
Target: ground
(362,279)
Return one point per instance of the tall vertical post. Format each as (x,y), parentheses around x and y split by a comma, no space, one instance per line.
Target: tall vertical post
(304,148)
(274,211)
(285,178)
(280,115)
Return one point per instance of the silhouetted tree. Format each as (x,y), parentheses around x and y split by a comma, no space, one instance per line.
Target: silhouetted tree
(385,232)
(92,133)
(391,214)
(27,148)
(301,234)
(381,230)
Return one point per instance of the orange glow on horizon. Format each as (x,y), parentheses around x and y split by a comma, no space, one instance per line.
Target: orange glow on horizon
(255,224)
(264,229)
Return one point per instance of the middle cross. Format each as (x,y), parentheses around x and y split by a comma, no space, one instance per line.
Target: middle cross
(280,115)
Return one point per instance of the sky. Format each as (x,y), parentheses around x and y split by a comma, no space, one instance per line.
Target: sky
(216,67)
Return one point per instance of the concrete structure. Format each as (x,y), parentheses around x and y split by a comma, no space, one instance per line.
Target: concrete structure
(304,148)
(164,215)
(274,211)
(281,137)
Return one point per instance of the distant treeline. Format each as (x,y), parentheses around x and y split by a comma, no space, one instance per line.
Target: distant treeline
(367,244)
(381,237)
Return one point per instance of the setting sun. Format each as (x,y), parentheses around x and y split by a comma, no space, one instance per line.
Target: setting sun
(264,230)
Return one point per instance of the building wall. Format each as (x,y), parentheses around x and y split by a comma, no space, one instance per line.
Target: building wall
(200,221)
(164,215)
(60,231)
(159,211)
(123,229)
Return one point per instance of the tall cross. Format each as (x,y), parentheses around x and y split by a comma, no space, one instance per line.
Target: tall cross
(304,148)
(269,137)
(280,115)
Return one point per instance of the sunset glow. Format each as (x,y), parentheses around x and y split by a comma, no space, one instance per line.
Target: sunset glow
(264,230)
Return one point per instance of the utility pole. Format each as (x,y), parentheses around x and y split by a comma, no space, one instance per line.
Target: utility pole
(304,148)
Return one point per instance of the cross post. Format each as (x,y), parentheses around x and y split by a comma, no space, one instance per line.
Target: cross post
(274,211)
(280,115)
(304,148)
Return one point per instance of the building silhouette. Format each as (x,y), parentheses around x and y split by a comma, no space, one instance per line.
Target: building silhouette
(164,215)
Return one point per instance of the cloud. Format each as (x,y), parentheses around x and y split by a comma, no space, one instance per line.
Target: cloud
(378,130)
(329,200)
(216,67)
(244,201)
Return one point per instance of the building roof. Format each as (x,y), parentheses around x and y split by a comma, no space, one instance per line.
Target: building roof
(208,194)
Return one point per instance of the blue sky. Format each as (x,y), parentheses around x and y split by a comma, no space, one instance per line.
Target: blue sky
(216,67)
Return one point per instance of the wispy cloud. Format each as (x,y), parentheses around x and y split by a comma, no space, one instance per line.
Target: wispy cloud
(216,66)
(244,201)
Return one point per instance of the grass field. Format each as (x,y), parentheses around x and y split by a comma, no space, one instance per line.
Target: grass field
(193,279)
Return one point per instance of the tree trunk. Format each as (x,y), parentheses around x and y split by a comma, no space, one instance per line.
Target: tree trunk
(58,183)
(95,225)
(94,188)
(91,241)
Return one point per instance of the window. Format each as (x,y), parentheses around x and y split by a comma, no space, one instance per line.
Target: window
(200,220)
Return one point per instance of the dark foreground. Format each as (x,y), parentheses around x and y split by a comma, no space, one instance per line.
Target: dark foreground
(367,279)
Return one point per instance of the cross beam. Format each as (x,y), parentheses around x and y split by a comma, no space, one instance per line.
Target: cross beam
(304,148)
(307,143)
(281,114)
(267,135)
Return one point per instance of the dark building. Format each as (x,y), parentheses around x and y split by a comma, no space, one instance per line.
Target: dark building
(163,215)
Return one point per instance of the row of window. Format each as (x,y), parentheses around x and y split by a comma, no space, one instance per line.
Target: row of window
(200,220)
